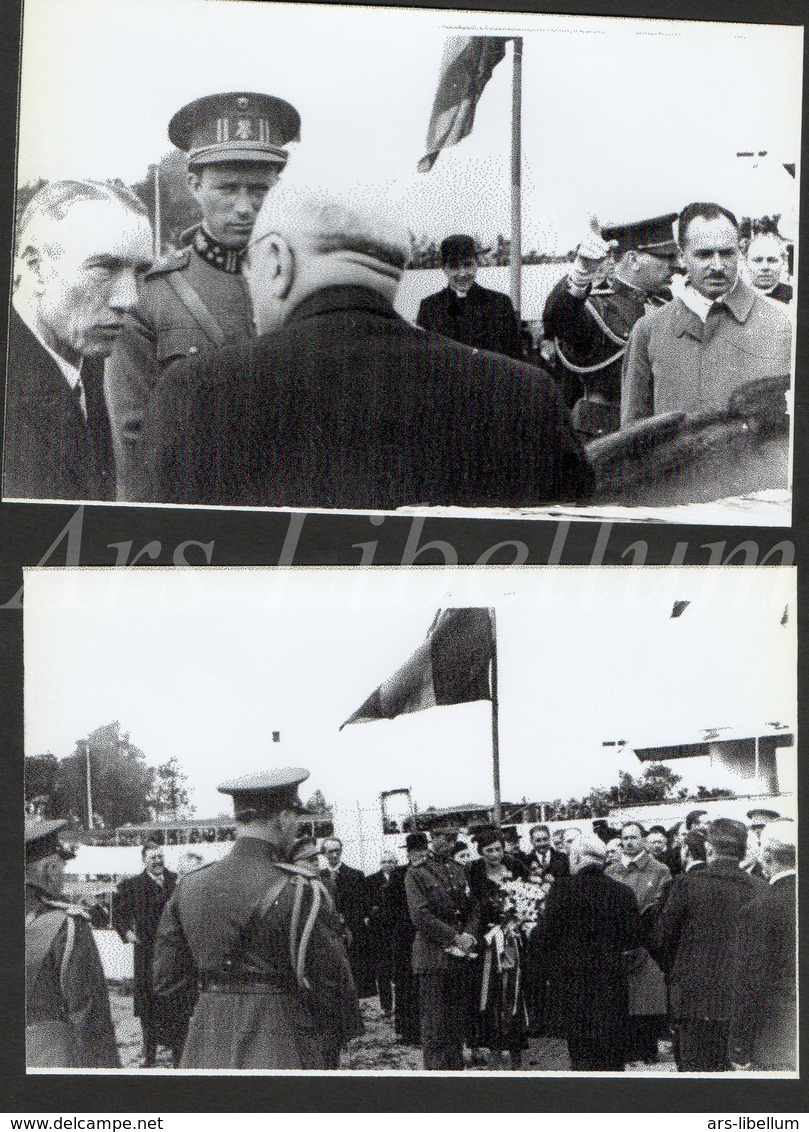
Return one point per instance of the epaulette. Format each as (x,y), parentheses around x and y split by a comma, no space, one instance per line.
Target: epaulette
(174,261)
(74,910)
(297,870)
(193,873)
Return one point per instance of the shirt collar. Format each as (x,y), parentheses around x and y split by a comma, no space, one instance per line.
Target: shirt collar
(781,875)
(738,300)
(71,373)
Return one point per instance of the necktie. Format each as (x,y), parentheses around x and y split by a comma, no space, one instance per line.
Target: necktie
(80,397)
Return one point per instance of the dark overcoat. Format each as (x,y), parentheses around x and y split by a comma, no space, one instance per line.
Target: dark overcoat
(50,450)
(265,941)
(137,906)
(349,406)
(352,900)
(590,920)
(558,864)
(485,319)
(694,939)
(67,1010)
(764,1021)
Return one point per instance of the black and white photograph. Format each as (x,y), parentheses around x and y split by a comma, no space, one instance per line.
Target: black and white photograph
(362,260)
(535,822)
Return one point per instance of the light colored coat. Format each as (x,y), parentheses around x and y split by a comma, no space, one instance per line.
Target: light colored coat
(676,363)
(649,880)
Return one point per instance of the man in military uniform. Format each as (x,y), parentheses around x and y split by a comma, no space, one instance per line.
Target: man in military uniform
(196,298)
(445,917)
(466,312)
(276,990)
(67,1011)
(590,323)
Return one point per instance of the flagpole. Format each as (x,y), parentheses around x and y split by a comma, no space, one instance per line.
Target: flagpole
(158,243)
(515,281)
(498,807)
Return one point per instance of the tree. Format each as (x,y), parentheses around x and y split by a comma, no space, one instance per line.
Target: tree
(318,803)
(120,782)
(41,772)
(169,795)
(178,208)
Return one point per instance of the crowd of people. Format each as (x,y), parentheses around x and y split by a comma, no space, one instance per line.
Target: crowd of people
(611,941)
(262,363)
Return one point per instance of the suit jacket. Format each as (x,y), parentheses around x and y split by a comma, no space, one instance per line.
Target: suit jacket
(137,905)
(590,920)
(694,939)
(485,319)
(349,406)
(558,864)
(764,1019)
(350,892)
(441,907)
(50,450)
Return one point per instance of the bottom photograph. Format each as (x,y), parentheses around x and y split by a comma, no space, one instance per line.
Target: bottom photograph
(537,821)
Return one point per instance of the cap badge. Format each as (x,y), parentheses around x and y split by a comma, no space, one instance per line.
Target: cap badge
(242,102)
(244,129)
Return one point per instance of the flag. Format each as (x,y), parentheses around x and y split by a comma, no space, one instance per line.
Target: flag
(451,667)
(465,69)
(678,608)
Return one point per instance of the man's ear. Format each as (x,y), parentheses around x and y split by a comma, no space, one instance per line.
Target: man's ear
(32,258)
(192,179)
(279,265)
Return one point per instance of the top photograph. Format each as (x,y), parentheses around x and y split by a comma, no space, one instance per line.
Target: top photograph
(355,259)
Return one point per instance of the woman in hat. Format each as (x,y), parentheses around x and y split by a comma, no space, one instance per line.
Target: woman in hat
(502,1018)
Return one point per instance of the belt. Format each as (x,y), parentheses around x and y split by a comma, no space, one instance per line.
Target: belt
(243,984)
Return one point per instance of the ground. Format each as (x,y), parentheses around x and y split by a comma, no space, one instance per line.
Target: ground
(377,1050)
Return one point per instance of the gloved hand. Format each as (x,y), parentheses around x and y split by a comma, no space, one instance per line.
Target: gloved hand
(590,256)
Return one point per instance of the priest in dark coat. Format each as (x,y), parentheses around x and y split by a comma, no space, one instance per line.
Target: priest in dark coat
(466,312)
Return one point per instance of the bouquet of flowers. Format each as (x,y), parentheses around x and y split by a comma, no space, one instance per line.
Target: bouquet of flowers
(522,904)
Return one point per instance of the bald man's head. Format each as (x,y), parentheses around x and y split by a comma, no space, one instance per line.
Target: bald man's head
(307,237)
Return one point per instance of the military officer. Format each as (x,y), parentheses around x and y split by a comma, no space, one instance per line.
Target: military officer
(263,935)
(67,1011)
(196,298)
(590,322)
(445,917)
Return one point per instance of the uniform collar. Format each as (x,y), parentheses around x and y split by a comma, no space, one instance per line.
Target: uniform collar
(782,876)
(255,847)
(224,259)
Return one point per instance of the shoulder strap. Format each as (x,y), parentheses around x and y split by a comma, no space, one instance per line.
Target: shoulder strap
(193,303)
(40,934)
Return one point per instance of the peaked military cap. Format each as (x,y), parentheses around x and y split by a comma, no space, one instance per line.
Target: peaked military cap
(456,248)
(760,815)
(42,840)
(655,236)
(268,791)
(239,126)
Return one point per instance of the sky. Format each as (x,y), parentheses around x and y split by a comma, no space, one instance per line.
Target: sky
(621,118)
(205,664)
